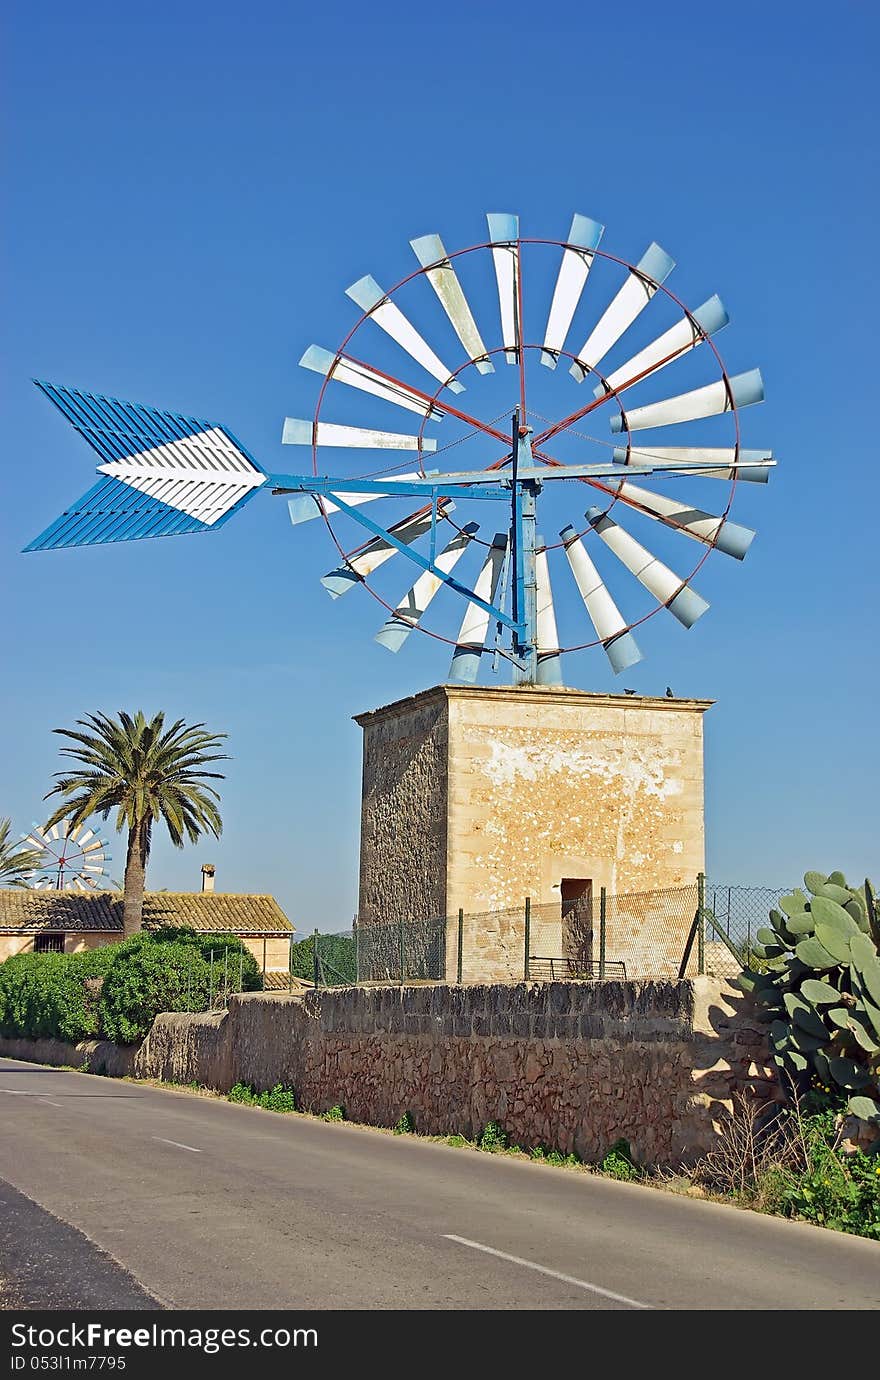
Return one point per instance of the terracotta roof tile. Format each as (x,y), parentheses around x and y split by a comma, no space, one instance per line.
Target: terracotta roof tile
(101,912)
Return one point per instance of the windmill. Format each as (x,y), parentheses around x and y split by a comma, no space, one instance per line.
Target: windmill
(622,508)
(70,859)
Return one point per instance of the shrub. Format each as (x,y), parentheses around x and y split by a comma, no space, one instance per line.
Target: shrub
(277,1099)
(493,1138)
(149,979)
(337,954)
(336,1113)
(619,1163)
(405,1126)
(50,996)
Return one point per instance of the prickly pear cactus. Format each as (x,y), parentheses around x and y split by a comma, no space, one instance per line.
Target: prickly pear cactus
(818,979)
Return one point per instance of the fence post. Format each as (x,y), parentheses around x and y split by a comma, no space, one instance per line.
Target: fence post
(400,947)
(211,983)
(701,925)
(316,963)
(602,914)
(240,969)
(527,938)
(225,977)
(460,939)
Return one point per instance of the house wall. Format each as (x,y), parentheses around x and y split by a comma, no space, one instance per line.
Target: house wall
(277,949)
(277,953)
(476,797)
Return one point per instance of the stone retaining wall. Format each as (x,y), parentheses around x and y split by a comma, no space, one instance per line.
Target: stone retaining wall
(571,1066)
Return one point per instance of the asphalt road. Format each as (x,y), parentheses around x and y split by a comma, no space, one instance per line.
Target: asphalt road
(197,1203)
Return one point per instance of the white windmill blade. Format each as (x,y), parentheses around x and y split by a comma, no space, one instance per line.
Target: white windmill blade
(570,282)
(653,268)
(64,828)
(97,843)
(38,843)
(298,431)
(730,537)
(372,299)
(745,390)
(431,254)
(683,602)
(305,507)
(84,838)
(679,340)
(367,380)
(474,628)
(549,660)
(413,605)
(752,465)
(376,552)
(53,833)
(609,623)
(88,867)
(504,234)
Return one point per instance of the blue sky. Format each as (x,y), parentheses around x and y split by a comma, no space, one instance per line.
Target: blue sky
(190,188)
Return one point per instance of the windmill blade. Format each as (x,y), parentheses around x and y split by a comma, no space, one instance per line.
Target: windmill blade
(53,833)
(299,432)
(504,234)
(668,588)
(305,507)
(653,268)
(371,299)
(752,465)
(165,474)
(714,398)
(84,838)
(367,380)
(474,628)
(376,552)
(414,604)
(679,340)
(609,623)
(549,660)
(570,283)
(729,537)
(431,254)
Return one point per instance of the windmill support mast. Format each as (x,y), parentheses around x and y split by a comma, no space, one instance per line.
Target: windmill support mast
(524,494)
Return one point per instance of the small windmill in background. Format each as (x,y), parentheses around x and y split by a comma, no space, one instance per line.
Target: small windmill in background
(70,859)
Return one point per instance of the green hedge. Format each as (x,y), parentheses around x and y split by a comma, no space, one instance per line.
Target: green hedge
(49,995)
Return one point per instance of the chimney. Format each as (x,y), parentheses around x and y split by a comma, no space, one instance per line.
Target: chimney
(208,876)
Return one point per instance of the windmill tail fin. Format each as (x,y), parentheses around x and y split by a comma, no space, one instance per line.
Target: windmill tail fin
(162,474)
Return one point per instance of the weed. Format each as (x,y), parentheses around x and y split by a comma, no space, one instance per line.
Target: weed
(405,1126)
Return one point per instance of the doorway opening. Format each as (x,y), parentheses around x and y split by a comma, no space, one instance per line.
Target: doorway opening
(577,920)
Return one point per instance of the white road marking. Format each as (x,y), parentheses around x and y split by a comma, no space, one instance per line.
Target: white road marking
(178,1143)
(20,1092)
(543,1270)
(49,1103)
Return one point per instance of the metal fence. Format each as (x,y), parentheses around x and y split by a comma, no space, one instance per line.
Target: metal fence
(700,927)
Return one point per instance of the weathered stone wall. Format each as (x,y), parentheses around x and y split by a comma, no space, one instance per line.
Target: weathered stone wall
(476,797)
(572,1066)
(403,813)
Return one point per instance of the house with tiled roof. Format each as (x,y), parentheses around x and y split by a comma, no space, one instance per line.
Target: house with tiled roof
(69,921)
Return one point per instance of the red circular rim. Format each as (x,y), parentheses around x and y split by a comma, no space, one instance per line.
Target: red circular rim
(611,396)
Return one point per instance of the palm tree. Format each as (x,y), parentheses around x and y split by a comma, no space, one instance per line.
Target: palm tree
(146,773)
(16,862)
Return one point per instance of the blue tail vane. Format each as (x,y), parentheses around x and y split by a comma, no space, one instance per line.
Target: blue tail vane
(162,474)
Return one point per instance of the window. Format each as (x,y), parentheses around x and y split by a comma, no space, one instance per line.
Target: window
(49,944)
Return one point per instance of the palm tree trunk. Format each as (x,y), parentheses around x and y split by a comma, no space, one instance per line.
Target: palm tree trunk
(134,882)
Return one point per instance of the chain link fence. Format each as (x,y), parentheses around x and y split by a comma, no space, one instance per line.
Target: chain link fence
(699,927)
